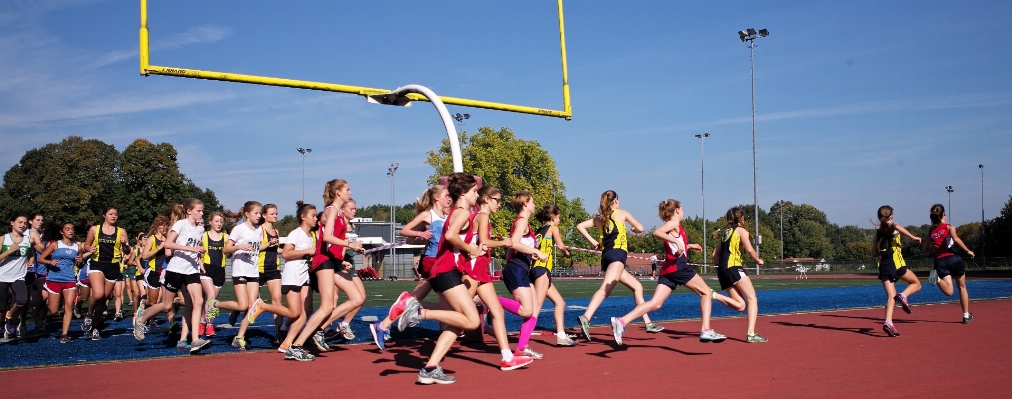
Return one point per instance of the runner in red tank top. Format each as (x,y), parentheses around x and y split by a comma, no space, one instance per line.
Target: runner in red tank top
(948,266)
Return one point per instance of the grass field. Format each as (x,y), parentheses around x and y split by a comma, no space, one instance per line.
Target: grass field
(382,293)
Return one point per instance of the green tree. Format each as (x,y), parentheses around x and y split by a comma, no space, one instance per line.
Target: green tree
(997,232)
(512,164)
(72,180)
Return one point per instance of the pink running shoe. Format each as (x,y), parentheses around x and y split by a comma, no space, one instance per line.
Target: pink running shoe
(398,307)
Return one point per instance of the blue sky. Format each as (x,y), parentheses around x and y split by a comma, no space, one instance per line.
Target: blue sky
(859,103)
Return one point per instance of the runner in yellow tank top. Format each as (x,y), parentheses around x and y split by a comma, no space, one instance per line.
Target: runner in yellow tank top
(611,221)
(888,248)
(549,238)
(729,257)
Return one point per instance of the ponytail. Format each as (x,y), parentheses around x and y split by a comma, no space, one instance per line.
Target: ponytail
(604,210)
(428,199)
(731,219)
(937,213)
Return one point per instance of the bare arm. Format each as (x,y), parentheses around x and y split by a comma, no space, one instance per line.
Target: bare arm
(664,233)
(90,238)
(518,233)
(955,238)
(457,222)
(418,227)
(747,243)
(36,241)
(582,228)
(14,248)
(905,232)
(482,223)
(46,253)
(330,218)
(637,227)
(148,253)
(557,236)
(290,253)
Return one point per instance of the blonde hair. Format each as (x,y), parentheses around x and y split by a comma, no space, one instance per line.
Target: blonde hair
(520,199)
(330,187)
(428,199)
(605,209)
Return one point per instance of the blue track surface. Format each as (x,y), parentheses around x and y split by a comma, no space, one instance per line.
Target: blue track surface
(118,344)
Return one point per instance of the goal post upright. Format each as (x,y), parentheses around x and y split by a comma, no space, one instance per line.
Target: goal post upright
(146,68)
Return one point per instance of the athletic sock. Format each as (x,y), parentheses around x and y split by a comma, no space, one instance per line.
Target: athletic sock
(430,368)
(888,322)
(525,332)
(510,305)
(507,355)
(966,314)
(622,322)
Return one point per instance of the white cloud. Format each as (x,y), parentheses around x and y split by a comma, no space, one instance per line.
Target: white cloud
(194,35)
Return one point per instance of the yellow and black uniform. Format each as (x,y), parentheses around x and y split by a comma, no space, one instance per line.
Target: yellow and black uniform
(108,253)
(891,265)
(213,258)
(730,260)
(268,261)
(544,242)
(614,243)
(154,266)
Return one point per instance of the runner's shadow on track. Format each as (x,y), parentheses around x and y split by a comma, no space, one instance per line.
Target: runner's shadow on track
(680,334)
(622,348)
(861,330)
(908,321)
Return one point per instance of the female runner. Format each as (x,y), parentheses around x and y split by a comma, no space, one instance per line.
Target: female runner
(479,280)
(349,312)
(213,276)
(888,248)
(731,272)
(60,257)
(328,266)
(244,246)
(268,263)
(427,226)
(456,247)
(548,238)
(674,272)
(183,273)
(614,251)
(948,266)
(108,243)
(15,251)
(154,251)
(516,273)
(35,279)
(298,251)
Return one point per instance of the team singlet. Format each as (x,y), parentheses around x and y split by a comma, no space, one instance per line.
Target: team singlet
(545,243)
(730,249)
(107,246)
(613,235)
(890,251)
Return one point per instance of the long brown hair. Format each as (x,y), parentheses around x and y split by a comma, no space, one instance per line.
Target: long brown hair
(330,187)
(667,208)
(547,212)
(486,193)
(520,199)
(937,212)
(885,229)
(460,183)
(604,210)
(731,218)
(427,201)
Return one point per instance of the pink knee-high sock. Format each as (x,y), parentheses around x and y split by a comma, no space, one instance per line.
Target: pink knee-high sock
(510,305)
(525,332)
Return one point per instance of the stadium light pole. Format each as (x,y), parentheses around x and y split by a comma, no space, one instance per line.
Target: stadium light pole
(393,235)
(304,151)
(949,190)
(983,259)
(459,117)
(750,35)
(781,234)
(702,187)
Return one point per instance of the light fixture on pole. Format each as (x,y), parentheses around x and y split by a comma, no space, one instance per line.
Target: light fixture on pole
(949,190)
(702,187)
(983,260)
(393,234)
(460,120)
(304,151)
(750,35)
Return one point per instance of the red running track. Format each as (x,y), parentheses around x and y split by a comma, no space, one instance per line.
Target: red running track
(830,354)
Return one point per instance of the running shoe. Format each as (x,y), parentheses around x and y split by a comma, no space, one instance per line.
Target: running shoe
(201,329)
(386,335)
(283,349)
(889,329)
(654,328)
(397,309)
(183,345)
(64,339)
(118,316)
(617,329)
(212,311)
(968,319)
(564,340)
(95,335)
(584,326)
(130,303)
(411,316)
(377,331)
(529,353)
(711,336)
(254,311)
(209,330)
(139,330)
(346,331)
(902,300)
(330,334)
(756,339)
(515,363)
(139,312)
(22,328)
(933,277)
(77,313)
(85,325)
(239,342)
(199,345)
(297,353)
(436,376)
(10,328)
(320,342)
(7,336)
(233,317)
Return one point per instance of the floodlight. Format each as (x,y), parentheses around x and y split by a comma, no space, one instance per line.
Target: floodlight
(763,33)
(742,35)
(751,31)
